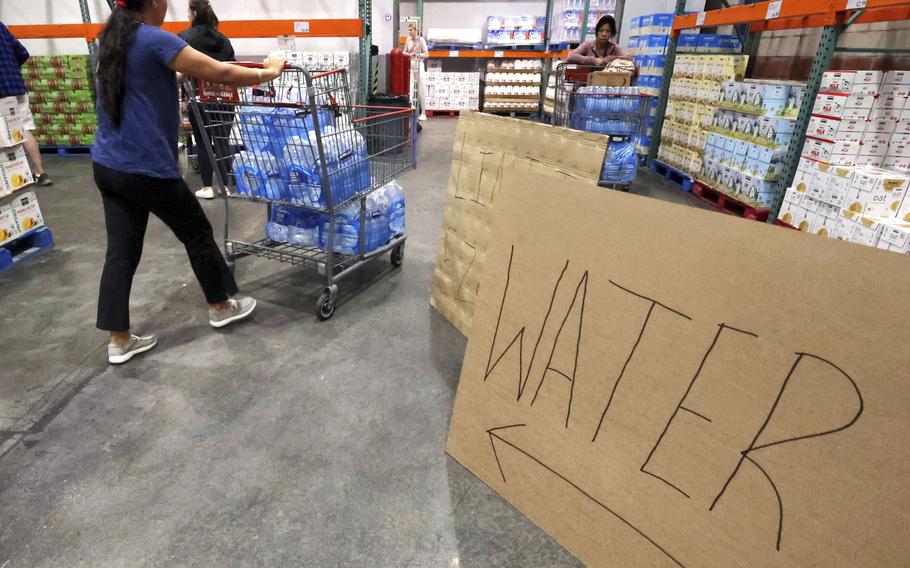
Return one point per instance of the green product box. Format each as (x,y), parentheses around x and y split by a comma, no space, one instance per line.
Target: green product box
(52,73)
(88,118)
(83,95)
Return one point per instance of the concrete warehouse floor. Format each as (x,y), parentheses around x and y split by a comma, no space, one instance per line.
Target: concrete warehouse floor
(281,441)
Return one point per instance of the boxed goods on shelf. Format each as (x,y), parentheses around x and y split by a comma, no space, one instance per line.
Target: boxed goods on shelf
(9,229)
(27,212)
(15,172)
(856,204)
(466,37)
(693,96)
(514,30)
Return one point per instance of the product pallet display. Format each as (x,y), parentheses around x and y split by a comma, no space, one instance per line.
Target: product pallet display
(749,136)
(62,100)
(512,86)
(694,94)
(452,91)
(852,181)
(319,60)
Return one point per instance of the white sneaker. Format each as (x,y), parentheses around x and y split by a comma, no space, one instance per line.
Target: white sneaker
(422,117)
(238,309)
(206,193)
(117,354)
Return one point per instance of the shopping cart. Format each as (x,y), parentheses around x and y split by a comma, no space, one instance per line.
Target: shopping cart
(622,113)
(320,164)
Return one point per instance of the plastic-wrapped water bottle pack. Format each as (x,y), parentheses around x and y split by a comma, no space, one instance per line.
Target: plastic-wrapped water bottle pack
(384,218)
(281,157)
(620,163)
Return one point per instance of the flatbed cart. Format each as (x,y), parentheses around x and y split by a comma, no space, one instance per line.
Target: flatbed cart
(317,161)
(618,112)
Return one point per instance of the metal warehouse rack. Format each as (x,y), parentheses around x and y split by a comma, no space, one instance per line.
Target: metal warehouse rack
(834,16)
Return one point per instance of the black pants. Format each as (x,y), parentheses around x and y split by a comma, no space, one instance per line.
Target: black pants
(128,200)
(219,121)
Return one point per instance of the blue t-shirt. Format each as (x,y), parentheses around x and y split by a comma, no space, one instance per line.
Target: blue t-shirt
(146,142)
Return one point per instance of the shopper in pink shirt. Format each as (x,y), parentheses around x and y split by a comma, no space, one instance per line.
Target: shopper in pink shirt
(601,51)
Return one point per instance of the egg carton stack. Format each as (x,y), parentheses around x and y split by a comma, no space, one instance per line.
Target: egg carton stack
(62,100)
(693,98)
(568,16)
(452,91)
(512,86)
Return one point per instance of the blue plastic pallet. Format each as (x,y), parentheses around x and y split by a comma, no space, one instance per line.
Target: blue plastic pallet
(67,150)
(27,246)
(671,174)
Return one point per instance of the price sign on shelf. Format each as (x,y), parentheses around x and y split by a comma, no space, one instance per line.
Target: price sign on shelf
(773,10)
(453,54)
(301,27)
(499,54)
(856,4)
(700,19)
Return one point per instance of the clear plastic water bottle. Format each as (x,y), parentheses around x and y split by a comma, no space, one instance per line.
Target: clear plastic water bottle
(395,196)
(277,228)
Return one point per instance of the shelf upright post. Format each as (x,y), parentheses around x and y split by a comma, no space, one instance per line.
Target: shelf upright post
(669,63)
(823,57)
(547,62)
(423,30)
(366,44)
(584,22)
(92,46)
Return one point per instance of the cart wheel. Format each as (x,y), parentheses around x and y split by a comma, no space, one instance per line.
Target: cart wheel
(325,306)
(397,255)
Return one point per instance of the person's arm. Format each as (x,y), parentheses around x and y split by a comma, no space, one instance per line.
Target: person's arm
(196,64)
(423,52)
(579,56)
(19,51)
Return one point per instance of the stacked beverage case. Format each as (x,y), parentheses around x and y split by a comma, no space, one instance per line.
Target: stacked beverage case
(61,97)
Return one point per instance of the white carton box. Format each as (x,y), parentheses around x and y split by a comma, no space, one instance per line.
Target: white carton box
(890,101)
(868,78)
(830,105)
(9,106)
(15,172)
(895,237)
(837,82)
(824,225)
(327,59)
(9,229)
(12,130)
(856,112)
(898,91)
(342,59)
(874,145)
(902,126)
(860,102)
(789,211)
(897,78)
(867,231)
(873,161)
(28,214)
(880,125)
(896,164)
(882,113)
(310,58)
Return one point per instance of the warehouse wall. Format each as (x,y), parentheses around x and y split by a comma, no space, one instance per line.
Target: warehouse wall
(14,12)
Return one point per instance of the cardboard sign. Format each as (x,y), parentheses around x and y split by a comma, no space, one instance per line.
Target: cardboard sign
(656,385)
(488,150)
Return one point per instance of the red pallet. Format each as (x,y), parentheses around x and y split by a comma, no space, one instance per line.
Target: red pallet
(780,223)
(447,113)
(729,205)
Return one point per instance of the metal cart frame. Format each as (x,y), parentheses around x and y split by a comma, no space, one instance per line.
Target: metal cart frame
(388,133)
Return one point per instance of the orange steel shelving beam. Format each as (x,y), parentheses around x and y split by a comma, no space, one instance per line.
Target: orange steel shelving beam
(232,28)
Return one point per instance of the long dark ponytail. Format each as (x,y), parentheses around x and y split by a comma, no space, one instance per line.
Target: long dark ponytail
(115,40)
(203,15)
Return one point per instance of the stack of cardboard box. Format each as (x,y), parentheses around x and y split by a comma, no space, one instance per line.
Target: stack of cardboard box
(19,216)
(14,169)
(694,94)
(62,99)
(861,204)
(452,91)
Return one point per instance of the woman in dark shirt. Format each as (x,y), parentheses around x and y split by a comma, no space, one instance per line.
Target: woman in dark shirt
(135,164)
(203,36)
